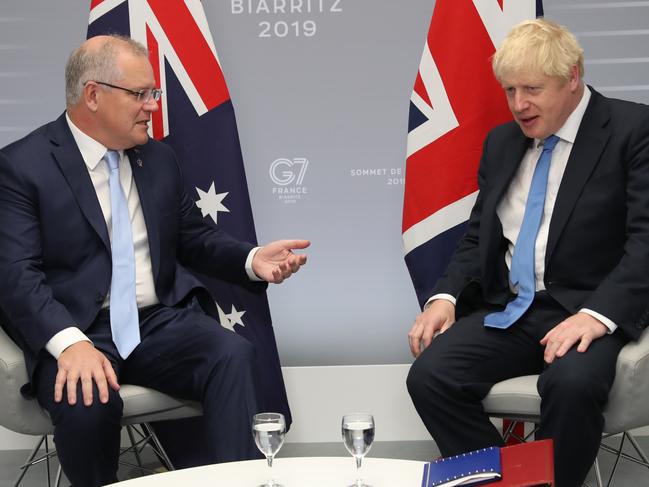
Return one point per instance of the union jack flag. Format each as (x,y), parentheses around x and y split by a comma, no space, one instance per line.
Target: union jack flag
(196,118)
(455,101)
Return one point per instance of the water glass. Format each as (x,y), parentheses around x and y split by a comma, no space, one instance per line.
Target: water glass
(358,435)
(269,430)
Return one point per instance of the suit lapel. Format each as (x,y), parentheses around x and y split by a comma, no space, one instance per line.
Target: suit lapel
(141,174)
(67,156)
(586,151)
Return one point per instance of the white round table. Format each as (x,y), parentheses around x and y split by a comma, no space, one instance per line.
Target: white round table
(290,472)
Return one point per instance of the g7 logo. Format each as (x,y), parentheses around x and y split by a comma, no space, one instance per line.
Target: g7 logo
(283,171)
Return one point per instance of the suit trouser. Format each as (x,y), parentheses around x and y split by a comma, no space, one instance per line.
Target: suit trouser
(184,353)
(450,378)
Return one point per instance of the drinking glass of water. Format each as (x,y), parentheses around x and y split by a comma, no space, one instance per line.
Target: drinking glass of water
(269,430)
(358,435)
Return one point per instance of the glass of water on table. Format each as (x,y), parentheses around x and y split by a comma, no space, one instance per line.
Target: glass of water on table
(269,430)
(358,435)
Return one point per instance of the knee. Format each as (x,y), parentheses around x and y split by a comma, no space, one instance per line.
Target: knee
(235,351)
(424,377)
(570,387)
(89,420)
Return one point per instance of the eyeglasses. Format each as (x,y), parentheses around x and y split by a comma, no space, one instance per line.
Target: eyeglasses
(144,96)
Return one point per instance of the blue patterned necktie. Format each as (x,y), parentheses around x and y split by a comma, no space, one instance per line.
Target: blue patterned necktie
(522,271)
(124,322)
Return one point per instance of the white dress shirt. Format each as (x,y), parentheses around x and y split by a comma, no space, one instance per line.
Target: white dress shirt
(511,207)
(93,153)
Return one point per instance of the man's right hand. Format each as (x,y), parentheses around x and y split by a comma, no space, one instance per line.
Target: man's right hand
(437,317)
(81,361)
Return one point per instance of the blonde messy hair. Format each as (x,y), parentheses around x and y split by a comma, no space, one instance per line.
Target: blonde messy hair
(538,46)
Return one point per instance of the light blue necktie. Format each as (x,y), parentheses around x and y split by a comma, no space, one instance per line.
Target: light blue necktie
(124,322)
(522,271)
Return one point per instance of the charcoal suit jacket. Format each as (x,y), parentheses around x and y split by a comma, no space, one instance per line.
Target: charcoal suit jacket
(597,253)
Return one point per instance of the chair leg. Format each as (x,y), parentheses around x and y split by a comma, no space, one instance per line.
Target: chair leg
(136,451)
(157,446)
(598,473)
(617,460)
(638,449)
(47,462)
(148,436)
(509,432)
(29,462)
(642,458)
(59,472)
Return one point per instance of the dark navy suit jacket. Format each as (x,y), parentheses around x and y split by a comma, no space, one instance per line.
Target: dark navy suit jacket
(55,258)
(597,254)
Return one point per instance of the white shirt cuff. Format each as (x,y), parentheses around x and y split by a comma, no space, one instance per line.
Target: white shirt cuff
(63,339)
(445,296)
(608,323)
(251,274)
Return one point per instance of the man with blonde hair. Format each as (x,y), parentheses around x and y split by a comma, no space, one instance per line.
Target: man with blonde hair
(552,274)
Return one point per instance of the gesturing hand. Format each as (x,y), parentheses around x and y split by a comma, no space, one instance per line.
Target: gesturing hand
(81,361)
(275,261)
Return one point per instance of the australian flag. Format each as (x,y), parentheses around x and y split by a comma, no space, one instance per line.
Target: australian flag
(456,100)
(196,118)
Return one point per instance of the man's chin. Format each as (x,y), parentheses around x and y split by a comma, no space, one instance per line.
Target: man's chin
(141,139)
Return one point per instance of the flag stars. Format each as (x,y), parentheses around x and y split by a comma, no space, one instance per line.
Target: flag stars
(229,320)
(235,316)
(210,202)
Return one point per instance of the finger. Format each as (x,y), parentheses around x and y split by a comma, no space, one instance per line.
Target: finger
(295,244)
(565,346)
(59,382)
(286,271)
(553,335)
(545,339)
(446,326)
(86,389)
(294,263)
(277,276)
(427,337)
(283,268)
(414,339)
(102,385)
(415,347)
(111,376)
(584,343)
(71,385)
(549,354)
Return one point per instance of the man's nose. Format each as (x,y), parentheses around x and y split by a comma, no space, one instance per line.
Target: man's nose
(520,101)
(151,105)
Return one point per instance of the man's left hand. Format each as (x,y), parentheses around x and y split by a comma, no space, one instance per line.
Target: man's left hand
(275,261)
(580,327)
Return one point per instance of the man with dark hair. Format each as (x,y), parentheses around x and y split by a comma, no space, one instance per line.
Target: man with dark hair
(97,234)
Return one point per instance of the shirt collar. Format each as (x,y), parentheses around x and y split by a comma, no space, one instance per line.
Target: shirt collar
(568,132)
(92,151)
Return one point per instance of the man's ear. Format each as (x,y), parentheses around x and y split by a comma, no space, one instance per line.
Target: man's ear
(91,95)
(575,79)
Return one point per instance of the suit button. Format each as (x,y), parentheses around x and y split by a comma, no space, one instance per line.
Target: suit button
(99,298)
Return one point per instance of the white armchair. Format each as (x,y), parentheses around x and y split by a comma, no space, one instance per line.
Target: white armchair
(141,407)
(518,399)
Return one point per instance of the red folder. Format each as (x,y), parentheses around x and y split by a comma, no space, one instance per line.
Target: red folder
(527,465)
